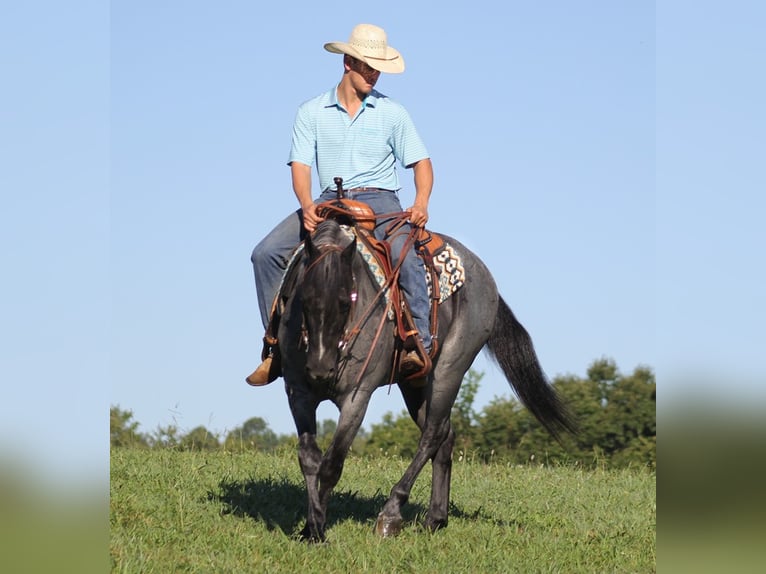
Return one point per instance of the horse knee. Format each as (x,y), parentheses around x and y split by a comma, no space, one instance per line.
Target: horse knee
(444,451)
(439,433)
(309,455)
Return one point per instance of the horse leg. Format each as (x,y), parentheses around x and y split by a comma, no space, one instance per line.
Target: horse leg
(310,458)
(303,407)
(389,521)
(441,463)
(430,407)
(441,477)
(322,472)
(331,467)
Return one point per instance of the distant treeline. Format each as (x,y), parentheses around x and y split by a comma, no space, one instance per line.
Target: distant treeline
(616,415)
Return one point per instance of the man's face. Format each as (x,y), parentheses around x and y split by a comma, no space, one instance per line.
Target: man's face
(364,73)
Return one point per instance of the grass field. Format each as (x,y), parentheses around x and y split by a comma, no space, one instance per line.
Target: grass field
(219,512)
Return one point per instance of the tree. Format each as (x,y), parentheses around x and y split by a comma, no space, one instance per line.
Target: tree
(631,409)
(499,429)
(325,432)
(616,416)
(199,438)
(165,437)
(400,435)
(586,399)
(253,434)
(123,430)
(463,416)
(394,435)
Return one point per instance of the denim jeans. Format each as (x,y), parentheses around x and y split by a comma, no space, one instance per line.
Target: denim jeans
(271,255)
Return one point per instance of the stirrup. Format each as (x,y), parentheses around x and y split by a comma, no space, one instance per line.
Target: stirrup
(270,368)
(270,345)
(415,364)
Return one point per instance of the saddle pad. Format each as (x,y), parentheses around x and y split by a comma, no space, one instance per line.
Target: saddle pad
(451,272)
(368,256)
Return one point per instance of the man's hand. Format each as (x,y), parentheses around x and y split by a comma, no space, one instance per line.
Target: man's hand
(418,215)
(310,217)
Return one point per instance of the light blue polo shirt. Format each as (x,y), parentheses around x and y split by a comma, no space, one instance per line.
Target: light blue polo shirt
(363,150)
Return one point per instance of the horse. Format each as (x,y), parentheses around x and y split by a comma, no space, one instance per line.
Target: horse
(336,344)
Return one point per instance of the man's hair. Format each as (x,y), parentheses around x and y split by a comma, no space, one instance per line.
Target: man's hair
(357,65)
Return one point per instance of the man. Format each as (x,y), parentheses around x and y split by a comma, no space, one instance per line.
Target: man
(357,133)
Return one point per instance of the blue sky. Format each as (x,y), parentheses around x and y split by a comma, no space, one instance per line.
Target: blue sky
(603,159)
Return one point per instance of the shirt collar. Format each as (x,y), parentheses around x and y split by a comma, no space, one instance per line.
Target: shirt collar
(371,100)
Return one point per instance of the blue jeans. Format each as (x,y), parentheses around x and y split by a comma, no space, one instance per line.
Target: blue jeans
(271,255)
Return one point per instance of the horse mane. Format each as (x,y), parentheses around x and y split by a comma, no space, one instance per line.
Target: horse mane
(329,232)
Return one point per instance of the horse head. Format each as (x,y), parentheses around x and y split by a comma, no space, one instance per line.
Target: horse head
(328,292)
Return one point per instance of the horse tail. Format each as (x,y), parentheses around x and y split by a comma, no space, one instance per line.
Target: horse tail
(510,346)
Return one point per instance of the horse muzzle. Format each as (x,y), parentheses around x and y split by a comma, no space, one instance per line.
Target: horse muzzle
(322,371)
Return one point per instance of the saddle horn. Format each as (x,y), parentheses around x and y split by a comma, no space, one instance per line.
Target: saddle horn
(339,183)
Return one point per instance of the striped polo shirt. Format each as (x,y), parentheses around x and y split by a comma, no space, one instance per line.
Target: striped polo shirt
(363,150)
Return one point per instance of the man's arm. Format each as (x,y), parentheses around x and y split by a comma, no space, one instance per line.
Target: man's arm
(424,182)
(301,175)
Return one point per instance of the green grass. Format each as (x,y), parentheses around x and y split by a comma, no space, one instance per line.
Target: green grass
(220,512)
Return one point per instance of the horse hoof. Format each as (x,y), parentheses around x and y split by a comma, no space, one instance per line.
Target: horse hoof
(388,527)
(434,525)
(312,535)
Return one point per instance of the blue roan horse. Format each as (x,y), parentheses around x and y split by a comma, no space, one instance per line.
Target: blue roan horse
(333,293)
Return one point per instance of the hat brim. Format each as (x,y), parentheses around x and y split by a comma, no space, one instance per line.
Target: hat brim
(393,63)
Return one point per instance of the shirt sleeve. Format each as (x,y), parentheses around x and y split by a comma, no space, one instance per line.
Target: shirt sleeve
(408,145)
(303,148)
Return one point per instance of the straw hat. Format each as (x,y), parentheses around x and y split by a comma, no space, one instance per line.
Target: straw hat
(368,44)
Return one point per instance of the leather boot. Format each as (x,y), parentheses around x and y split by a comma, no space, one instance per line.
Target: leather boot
(411,364)
(261,376)
(268,371)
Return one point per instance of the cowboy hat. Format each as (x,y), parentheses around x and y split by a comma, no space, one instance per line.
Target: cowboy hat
(368,44)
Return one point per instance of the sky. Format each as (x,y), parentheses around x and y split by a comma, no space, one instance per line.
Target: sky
(603,158)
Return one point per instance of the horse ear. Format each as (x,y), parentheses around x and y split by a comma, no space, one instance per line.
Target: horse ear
(348,253)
